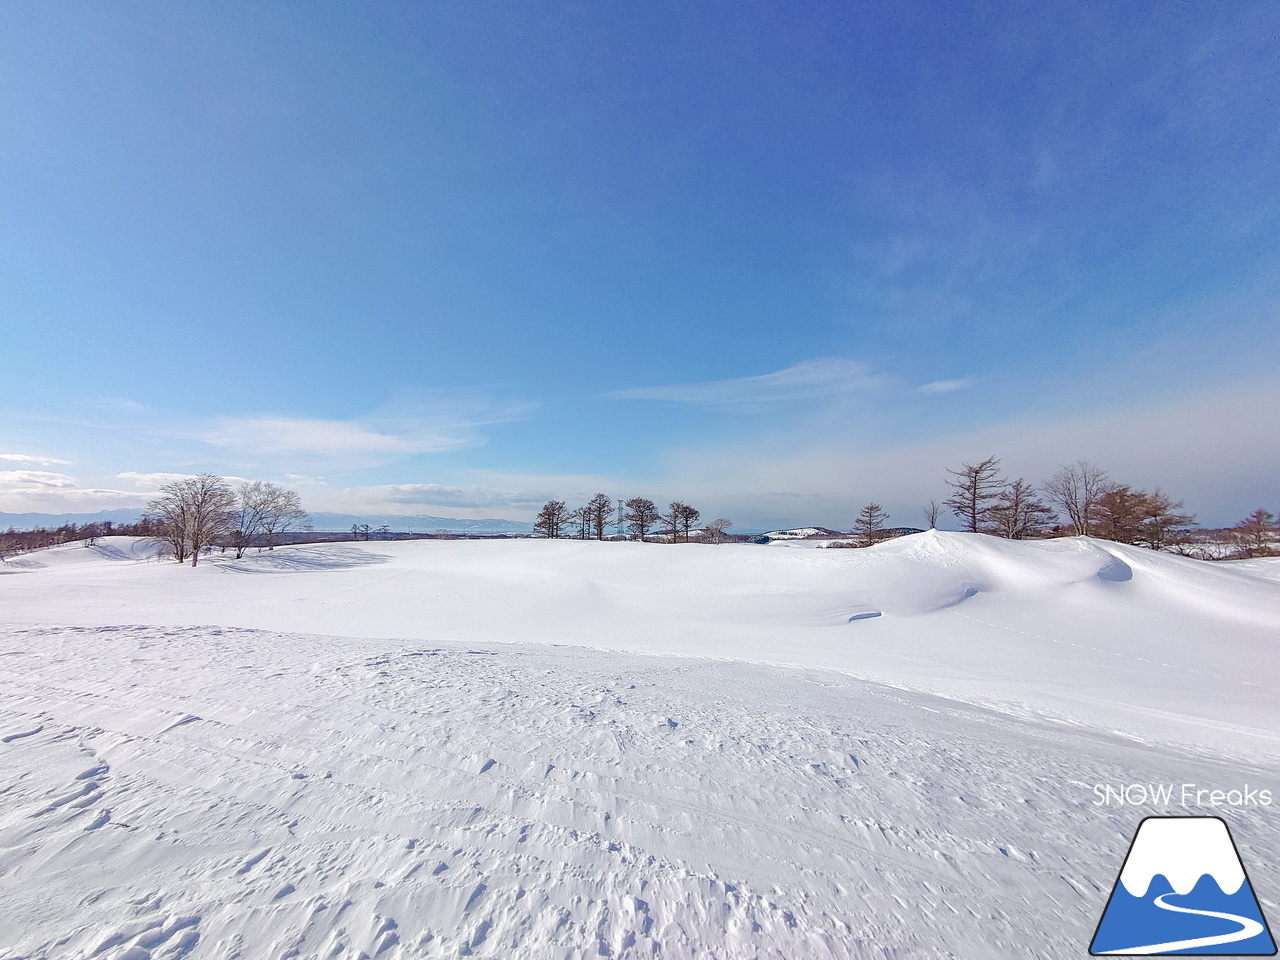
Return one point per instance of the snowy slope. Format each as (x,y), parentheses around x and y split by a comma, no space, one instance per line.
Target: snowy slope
(375,749)
(1082,630)
(799,533)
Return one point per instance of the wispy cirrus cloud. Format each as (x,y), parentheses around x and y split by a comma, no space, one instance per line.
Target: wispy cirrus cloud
(324,438)
(28,458)
(152,482)
(34,478)
(414,423)
(944,386)
(806,380)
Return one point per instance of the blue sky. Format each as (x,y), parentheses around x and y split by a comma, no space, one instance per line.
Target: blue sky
(777,259)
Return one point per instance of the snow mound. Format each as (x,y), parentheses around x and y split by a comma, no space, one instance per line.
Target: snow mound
(1080,630)
(422,749)
(77,554)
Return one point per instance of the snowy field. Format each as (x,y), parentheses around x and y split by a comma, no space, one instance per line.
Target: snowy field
(535,749)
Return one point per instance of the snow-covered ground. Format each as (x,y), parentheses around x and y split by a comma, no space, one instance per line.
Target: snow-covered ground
(564,749)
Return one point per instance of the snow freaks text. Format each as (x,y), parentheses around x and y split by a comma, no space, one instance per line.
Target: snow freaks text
(1177,794)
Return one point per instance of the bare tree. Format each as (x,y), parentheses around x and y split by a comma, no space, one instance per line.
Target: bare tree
(642,514)
(599,508)
(551,518)
(972,491)
(193,512)
(265,512)
(716,529)
(1019,513)
(681,517)
(869,524)
(1161,524)
(931,512)
(167,516)
(1076,488)
(1257,533)
(688,517)
(246,521)
(672,519)
(1135,516)
(1118,514)
(212,504)
(579,516)
(281,512)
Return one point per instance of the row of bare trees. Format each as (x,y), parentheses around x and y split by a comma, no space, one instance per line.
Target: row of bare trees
(1080,499)
(194,513)
(634,519)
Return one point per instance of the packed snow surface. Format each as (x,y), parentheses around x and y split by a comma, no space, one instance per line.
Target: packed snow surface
(563,749)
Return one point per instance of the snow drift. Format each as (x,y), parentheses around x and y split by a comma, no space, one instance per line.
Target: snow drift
(562,749)
(1080,630)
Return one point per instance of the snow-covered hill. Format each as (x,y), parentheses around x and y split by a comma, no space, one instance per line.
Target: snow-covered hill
(567,749)
(801,533)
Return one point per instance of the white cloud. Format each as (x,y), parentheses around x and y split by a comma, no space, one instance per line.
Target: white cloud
(151,482)
(409,499)
(34,479)
(36,491)
(26,458)
(415,422)
(806,380)
(943,386)
(325,438)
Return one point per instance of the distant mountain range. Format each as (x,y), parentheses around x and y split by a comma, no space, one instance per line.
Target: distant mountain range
(28,521)
(322,522)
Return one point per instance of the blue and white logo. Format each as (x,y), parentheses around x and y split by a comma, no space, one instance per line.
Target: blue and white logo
(1183,892)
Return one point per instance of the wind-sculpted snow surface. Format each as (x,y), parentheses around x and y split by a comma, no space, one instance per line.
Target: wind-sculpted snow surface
(212,792)
(375,751)
(1162,647)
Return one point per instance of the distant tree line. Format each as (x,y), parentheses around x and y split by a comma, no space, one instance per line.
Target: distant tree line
(634,519)
(13,542)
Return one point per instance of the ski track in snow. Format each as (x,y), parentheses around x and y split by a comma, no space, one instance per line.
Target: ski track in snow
(232,792)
